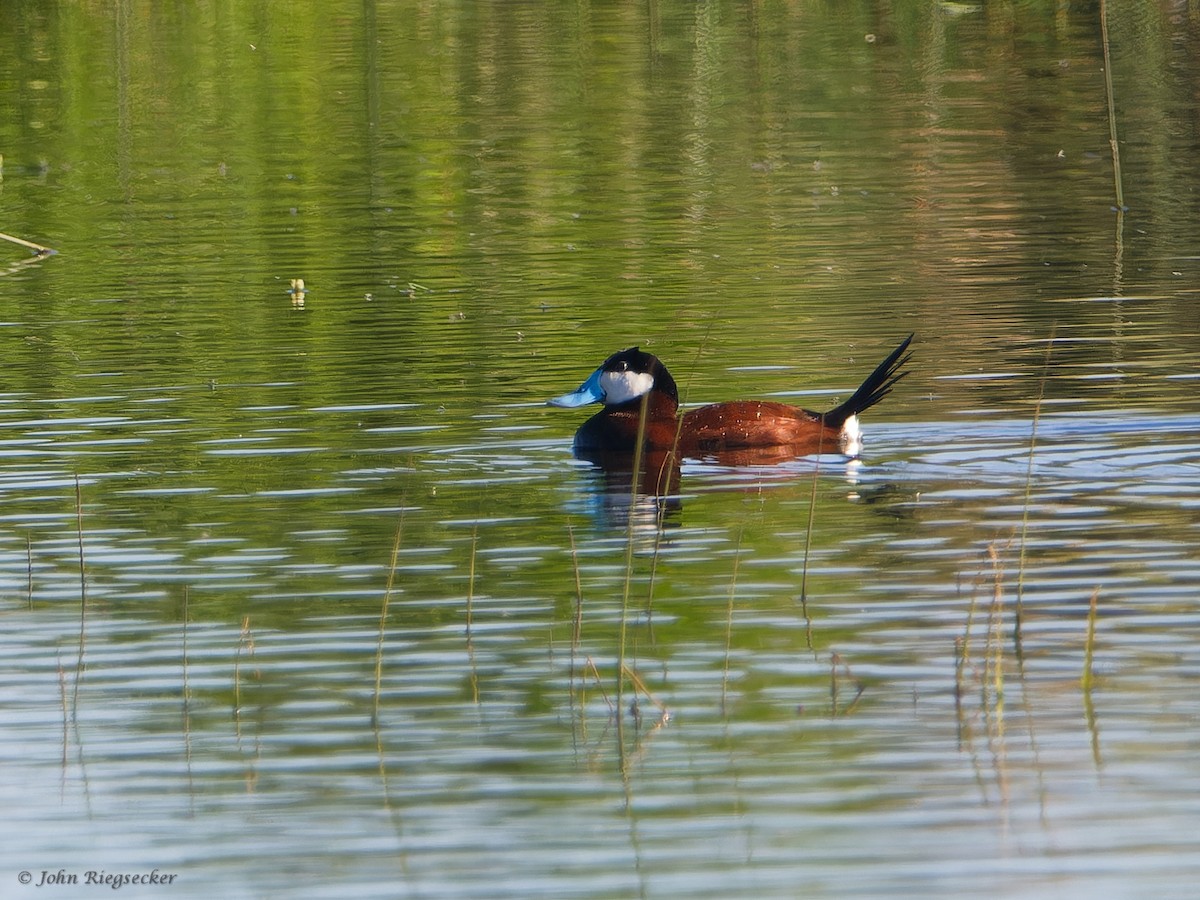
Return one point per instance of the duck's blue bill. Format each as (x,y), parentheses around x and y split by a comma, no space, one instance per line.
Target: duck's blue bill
(589,392)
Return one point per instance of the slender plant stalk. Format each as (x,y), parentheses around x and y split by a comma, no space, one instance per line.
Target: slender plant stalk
(635,485)
(1019,614)
(640,686)
(243,638)
(663,481)
(29,569)
(963,665)
(989,650)
(629,548)
(187,699)
(972,609)
(590,667)
(998,667)
(383,612)
(992,682)
(471,580)
(1119,237)
(79,534)
(834,659)
(960,664)
(808,528)
(1087,677)
(577,625)
(859,689)
(995,646)
(69,722)
(470,614)
(184,629)
(79,667)
(659,515)
(1112,109)
(66,714)
(995,674)
(836,662)
(737,556)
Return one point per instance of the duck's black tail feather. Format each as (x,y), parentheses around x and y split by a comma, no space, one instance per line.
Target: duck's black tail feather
(877,386)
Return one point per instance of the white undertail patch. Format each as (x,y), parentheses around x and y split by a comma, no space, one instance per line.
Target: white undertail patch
(851,438)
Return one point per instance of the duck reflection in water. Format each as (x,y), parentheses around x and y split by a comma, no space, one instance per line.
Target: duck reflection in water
(634,385)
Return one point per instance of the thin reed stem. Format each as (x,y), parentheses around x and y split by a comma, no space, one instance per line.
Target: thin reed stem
(66,715)
(663,482)
(29,569)
(994,653)
(964,646)
(1119,237)
(1019,614)
(860,688)
(470,613)
(243,641)
(187,699)
(590,666)
(577,624)
(471,580)
(383,612)
(808,528)
(629,552)
(640,687)
(1086,679)
(834,659)
(1112,108)
(184,629)
(960,665)
(737,556)
(79,660)
(994,676)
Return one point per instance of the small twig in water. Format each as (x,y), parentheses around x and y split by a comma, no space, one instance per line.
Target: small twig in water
(836,662)
(590,666)
(36,248)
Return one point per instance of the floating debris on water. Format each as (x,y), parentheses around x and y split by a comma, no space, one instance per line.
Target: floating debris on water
(298,290)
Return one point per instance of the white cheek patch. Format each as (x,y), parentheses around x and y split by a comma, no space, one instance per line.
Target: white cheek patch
(621,387)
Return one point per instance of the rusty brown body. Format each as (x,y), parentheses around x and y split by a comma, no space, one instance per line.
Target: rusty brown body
(756,430)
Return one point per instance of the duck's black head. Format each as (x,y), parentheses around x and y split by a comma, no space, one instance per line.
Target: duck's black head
(622,378)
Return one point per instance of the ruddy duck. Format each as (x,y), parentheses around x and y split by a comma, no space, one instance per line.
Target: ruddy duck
(630,378)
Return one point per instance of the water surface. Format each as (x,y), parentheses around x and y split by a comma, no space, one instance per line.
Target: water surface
(844,680)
